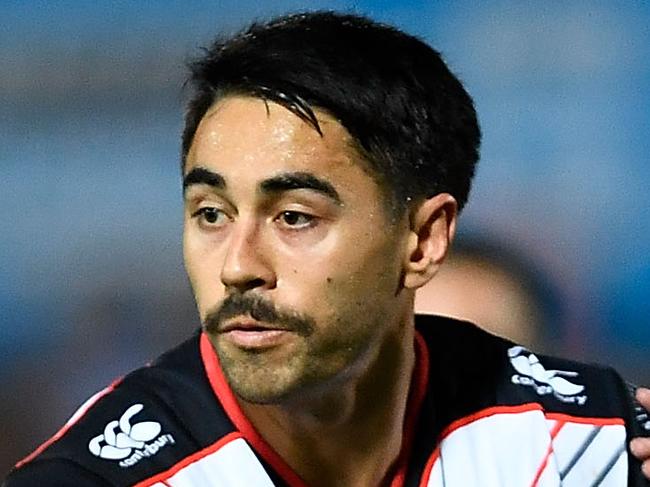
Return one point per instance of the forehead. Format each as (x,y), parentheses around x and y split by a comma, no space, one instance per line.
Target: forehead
(264,134)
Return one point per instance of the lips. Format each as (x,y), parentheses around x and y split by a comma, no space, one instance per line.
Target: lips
(248,325)
(250,334)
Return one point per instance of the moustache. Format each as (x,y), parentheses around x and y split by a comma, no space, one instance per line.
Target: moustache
(260,309)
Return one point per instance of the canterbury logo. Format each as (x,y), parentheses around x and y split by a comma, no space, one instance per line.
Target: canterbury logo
(121,439)
(532,373)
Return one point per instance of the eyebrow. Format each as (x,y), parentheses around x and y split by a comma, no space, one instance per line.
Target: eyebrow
(201,175)
(282,182)
(300,180)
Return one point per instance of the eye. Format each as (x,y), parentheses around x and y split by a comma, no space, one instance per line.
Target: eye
(210,215)
(296,219)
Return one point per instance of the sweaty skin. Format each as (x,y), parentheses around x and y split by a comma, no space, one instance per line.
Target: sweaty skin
(291,226)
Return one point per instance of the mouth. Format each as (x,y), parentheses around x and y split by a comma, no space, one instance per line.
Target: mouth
(250,334)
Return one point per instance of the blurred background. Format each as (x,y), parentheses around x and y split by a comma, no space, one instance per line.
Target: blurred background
(91,276)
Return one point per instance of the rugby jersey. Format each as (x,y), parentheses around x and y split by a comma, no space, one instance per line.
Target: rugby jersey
(482,411)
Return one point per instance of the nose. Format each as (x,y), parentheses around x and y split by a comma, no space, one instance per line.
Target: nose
(245,266)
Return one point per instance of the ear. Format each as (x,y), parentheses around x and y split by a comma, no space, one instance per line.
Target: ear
(433,225)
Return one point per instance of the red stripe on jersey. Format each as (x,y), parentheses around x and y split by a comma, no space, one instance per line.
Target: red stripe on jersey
(521,408)
(556,429)
(417,391)
(222,390)
(487,412)
(429,466)
(577,419)
(79,413)
(194,457)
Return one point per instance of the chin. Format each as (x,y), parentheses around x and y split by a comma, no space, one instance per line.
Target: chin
(258,379)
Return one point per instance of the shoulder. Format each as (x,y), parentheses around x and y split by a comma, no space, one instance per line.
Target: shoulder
(54,474)
(480,370)
(517,405)
(137,426)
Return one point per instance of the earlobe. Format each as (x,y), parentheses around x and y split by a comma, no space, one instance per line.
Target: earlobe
(433,224)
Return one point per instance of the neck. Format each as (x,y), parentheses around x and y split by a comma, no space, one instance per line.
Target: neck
(352,434)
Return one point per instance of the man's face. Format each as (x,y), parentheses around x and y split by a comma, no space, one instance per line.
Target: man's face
(294,261)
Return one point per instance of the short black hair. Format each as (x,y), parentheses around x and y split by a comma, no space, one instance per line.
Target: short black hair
(409,116)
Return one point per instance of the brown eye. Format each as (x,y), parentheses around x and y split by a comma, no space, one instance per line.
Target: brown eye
(296,219)
(210,215)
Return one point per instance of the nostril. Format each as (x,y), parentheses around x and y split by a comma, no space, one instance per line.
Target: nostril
(247,284)
(254,283)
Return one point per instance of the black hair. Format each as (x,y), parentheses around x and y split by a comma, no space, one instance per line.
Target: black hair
(409,116)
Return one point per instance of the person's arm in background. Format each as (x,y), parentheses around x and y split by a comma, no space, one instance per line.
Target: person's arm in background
(640,447)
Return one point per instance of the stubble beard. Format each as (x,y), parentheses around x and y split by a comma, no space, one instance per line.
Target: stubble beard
(263,376)
(305,370)
(303,367)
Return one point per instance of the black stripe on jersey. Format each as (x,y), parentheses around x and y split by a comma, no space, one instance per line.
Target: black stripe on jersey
(609,466)
(580,451)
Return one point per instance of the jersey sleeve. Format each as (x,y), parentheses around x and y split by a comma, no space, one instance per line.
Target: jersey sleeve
(55,473)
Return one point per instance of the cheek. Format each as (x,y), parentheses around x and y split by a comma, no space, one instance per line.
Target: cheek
(191,259)
(367,258)
(352,279)
(202,267)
